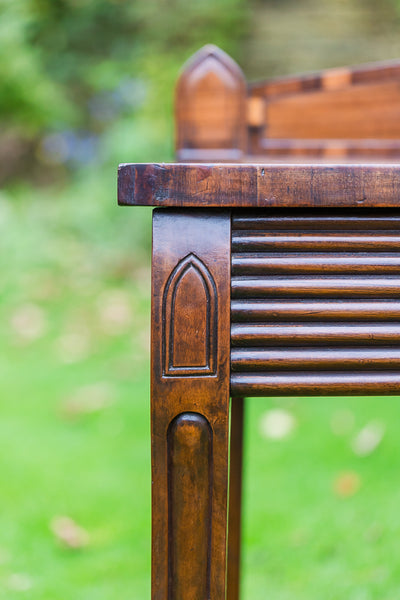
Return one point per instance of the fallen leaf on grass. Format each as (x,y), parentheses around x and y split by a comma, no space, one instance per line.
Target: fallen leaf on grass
(43,285)
(19,582)
(88,399)
(347,484)
(28,322)
(73,347)
(115,312)
(368,439)
(342,422)
(277,424)
(68,533)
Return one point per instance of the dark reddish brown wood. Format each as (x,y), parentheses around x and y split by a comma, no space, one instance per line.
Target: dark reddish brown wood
(316,383)
(190,471)
(210,108)
(318,285)
(255,334)
(314,310)
(274,359)
(314,220)
(194,185)
(337,112)
(311,299)
(190,403)
(235,498)
(319,242)
(315,292)
(340,185)
(193,353)
(304,263)
(175,184)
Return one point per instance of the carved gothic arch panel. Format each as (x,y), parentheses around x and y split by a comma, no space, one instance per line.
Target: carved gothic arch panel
(189,320)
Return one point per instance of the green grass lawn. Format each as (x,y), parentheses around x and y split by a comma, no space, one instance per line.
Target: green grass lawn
(74,411)
(320,520)
(304,535)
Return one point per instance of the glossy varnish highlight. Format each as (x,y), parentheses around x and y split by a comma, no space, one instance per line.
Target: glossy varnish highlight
(190,403)
(315,303)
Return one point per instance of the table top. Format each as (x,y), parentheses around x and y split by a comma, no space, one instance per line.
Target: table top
(260,185)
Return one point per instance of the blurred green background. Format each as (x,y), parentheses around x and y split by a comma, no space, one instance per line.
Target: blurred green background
(86,84)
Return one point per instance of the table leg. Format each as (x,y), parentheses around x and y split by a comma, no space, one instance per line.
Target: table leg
(190,404)
(235,498)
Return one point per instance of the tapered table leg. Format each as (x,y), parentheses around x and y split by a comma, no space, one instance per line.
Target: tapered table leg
(235,498)
(190,404)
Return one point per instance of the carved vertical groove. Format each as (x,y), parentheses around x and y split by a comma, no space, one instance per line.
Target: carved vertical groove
(190,306)
(190,472)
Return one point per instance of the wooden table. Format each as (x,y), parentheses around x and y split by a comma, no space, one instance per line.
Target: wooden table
(269,280)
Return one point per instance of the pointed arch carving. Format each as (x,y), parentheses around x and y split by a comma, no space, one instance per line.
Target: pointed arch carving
(189,320)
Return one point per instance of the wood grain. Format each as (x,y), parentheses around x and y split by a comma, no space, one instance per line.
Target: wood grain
(190,404)
(243,241)
(304,358)
(257,310)
(341,112)
(190,469)
(312,220)
(350,286)
(216,185)
(210,108)
(299,263)
(235,498)
(315,305)
(336,113)
(315,292)
(316,384)
(190,329)
(243,334)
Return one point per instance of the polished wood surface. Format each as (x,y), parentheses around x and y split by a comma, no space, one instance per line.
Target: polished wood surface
(314,333)
(235,498)
(338,220)
(335,113)
(292,358)
(319,285)
(270,185)
(190,403)
(315,292)
(316,383)
(190,448)
(268,263)
(210,105)
(269,278)
(312,310)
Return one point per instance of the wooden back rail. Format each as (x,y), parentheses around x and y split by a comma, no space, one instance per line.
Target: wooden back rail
(336,113)
(267,279)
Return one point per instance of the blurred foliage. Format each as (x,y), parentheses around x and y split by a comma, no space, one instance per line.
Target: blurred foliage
(86,84)
(76,75)
(288,36)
